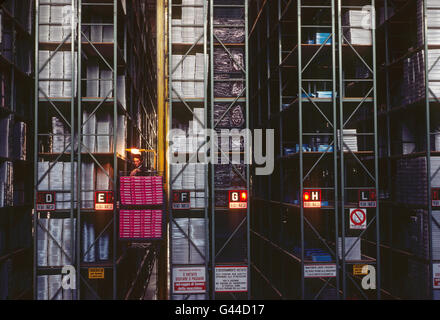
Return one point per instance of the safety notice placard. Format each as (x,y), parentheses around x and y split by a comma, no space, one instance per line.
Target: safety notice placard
(189,280)
(319,270)
(231,279)
(96,273)
(436,275)
(358,218)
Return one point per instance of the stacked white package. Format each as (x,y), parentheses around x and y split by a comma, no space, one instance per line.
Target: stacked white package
(354,253)
(200,200)
(189,68)
(55,293)
(67,12)
(200,176)
(107,34)
(350,140)
(96,29)
(103,129)
(42,287)
(120,91)
(42,242)
(42,168)
(177,74)
(103,178)
(67,83)
(192,200)
(408,139)
(88,238)
(58,135)
(106,83)
(198,21)
(433,20)
(189,177)
(176,177)
(103,246)
(121,135)
(188,19)
(89,126)
(56,73)
(68,231)
(54,242)
(359,32)
(67,183)
(44,23)
(4,136)
(180,245)
(93,83)
(197,229)
(56,19)
(87,185)
(179,143)
(56,182)
(44,74)
(176,34)
(199,76)
(436,236)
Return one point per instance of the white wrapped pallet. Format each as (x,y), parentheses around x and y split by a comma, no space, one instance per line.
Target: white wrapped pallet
(107,34)
(104,246)
(43,58)
(197,231)
(87,239)
(54,242)
(89,127)
(87,185)
(105,83)
(55,290)
(96,30)
(180,246)
(68,230)
(67,186)
(42,242)
(56,73)
(177,66)
(43,287)
(188,19)
(103,127)
(176,33)
(4,136)
(176,177)
(102,178)
(189,70)
(92,79)
(120,90)
(43,167)
(354,253)
(121,135)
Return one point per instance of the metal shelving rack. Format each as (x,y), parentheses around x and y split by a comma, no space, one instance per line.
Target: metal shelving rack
(397,112)
(230,236)
(179,104)
(126,54)
(286,68)
(15,222)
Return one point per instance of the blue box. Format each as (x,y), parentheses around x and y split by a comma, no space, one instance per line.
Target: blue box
(324,94)
(321,36)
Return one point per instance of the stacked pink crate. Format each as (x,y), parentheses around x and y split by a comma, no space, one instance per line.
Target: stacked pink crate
(125,190)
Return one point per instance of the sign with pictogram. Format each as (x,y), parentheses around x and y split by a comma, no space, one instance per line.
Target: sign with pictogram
(45,201)
(435,197)
(103,200)
(367,198)
(181,200)
(358,218)
(312,198)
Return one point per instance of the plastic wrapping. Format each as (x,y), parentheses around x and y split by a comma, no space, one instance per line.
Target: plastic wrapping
(229,34)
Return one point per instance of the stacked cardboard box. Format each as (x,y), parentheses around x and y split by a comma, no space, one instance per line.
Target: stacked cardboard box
(359,27)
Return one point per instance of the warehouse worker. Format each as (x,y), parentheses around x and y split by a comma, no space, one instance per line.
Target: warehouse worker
(139,169)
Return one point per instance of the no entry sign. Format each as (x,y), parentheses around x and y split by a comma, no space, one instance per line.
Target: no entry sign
(358,218)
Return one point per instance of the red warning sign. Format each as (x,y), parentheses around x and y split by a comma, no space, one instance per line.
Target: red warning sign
(358,219)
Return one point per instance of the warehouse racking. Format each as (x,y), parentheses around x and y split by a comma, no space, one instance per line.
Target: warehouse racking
(86,115)
(408,122)
(311,86)
(207,88)
(16,36)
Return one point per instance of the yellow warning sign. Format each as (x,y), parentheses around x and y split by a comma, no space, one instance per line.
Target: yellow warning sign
(357,270)
(96,273)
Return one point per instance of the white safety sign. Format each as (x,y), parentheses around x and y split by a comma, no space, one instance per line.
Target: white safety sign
(188,280)
(319,270)
(231,279)
(358,218)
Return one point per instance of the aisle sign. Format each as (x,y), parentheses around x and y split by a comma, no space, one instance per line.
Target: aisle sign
(231,279)
(238,199)
(103,200)
(358,270)
(319,270)
(181,200)
(367,198)
(358,218)
(189,280)
(312,198)
(45,201)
